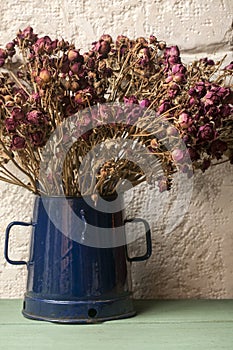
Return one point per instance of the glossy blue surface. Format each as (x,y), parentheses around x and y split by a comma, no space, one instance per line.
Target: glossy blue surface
(69,282)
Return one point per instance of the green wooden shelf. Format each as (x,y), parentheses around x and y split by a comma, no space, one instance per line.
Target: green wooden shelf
(160,324)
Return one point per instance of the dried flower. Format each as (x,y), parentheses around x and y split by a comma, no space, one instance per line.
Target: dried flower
(54,80)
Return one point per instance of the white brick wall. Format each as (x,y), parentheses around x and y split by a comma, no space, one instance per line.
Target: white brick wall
(196,260)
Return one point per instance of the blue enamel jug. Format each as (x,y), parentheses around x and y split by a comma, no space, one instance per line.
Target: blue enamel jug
(69,281)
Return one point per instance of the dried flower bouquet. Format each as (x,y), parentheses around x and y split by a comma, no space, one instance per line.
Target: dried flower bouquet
(142,86)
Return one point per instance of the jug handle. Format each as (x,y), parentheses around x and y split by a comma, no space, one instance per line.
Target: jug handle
(14,223)
(148,241)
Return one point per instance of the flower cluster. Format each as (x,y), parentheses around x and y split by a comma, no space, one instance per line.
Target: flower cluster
(51,80)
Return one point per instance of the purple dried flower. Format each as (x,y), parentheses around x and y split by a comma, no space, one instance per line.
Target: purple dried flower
(11,124)
(173,60)
(37,138)
(3,54)
(229,66)
(192,101)
(130,100)
(17,114)
(178,155)
(43,44)
(199,90)
(27,32)
(164,107)
(35,97)
(194,155)
(76,67)
(102,47)
(106,37)
(225,111)
(36,117)
(163,184)
(17,142)
(65,66)
(174,89)
(217,148)
(179,78)
(206,132)
(144,103)
(178,68)
(10,47)
(205,164)
(207,61)
(172,51)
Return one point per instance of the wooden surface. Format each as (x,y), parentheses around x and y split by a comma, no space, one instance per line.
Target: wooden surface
(160,324)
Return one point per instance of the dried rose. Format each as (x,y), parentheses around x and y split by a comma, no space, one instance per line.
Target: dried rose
(17,114)
(11,124)
(178,155)
(217,148)
(45,75)
(36,117)
(37,138)
(18,142)
(206,132)
(185,120)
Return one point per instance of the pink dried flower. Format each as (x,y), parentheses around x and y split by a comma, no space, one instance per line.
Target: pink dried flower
(17,114)
(178,155)
(18,142)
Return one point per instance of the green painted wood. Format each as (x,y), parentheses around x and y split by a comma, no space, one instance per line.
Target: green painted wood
(160,324)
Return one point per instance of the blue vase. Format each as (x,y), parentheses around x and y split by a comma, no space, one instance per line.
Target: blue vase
(69,281)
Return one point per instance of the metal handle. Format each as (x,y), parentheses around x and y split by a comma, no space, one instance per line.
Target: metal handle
(14,223)
(148,241)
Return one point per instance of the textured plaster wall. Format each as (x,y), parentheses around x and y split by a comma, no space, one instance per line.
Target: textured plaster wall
(196,259)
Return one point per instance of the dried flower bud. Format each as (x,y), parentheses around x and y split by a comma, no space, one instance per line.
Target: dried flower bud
(37,138)
(36,117)
(106,37)
(10,46)
(163,184)
(74,86)
(178,155)
(141,40)
(17,114)
(11,124)
(144,103)
(122,40)
(185,120)
(75,67)
(229,66)
(17,142)
(73,55)
(152,39)
(179,78)
(3,54)
(80,98)
(206,132)
(45,76)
